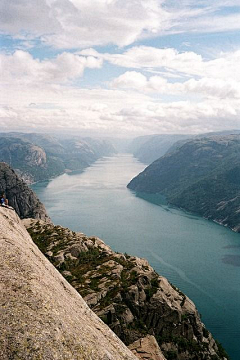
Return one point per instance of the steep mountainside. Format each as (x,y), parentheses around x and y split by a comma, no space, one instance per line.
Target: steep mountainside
(30,161)
(181,142)
(201,176)
(20,196)
(149,148)
(38,157)
(128,295)
(42,316)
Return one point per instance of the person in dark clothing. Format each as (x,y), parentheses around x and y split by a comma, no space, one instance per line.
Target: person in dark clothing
(4,201)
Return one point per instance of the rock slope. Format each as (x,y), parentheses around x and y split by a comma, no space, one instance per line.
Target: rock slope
(20,196)
(41,315)
(150,147)
(127,294)
(202,176)
(37,157)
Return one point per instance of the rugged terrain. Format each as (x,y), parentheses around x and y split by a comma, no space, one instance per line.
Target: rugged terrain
(37,157)
(151,147)
(128,295)
(19,195)
(41,315)
(201,176)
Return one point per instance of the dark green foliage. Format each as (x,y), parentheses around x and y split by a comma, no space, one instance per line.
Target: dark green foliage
(171,355)
(221,352)
(205,332)
(201,176)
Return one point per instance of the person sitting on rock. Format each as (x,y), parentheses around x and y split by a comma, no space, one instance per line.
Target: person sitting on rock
(4,201)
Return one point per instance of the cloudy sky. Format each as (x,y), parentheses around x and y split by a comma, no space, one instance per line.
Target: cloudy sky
(120,67)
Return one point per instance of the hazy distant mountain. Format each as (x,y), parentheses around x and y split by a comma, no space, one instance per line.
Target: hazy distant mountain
(202,176)
(38,157)
(181,142)
(151,147)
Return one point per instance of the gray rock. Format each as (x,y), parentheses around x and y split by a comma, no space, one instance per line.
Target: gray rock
(42,316)
(20,196)
(129,295)
(147,349)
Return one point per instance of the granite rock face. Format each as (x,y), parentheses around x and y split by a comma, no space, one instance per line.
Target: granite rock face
(20,196)
(41,315)
(38,157)
(147,349)
(126,293)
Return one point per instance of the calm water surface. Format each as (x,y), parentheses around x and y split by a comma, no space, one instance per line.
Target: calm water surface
(198,256)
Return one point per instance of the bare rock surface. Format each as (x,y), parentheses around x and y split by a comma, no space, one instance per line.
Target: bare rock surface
(20,196)
(41,315)
(147,349)
(127,294)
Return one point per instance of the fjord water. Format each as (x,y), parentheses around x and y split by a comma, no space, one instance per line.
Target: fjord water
(198,256)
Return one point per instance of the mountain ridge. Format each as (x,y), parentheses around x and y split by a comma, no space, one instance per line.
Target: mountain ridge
(201,176)
(37,157)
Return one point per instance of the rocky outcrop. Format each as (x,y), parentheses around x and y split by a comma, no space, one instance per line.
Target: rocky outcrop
(20,196)
(147,349)
(126,293)
(41,315)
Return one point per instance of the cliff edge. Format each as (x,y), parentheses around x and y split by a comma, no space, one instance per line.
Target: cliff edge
(20,196)
(128,295)
(42,316)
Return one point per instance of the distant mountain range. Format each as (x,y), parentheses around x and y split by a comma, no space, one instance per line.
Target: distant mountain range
(37,157)
(201,175)
(149,148)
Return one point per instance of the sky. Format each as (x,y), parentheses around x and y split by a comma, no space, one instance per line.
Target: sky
(120,67)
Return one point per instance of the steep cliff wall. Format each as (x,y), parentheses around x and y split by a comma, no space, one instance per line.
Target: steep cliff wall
(41,315)
(201,176)
(20,196)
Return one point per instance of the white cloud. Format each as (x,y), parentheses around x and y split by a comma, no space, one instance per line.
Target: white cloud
(79,23)
(146,57)
(170,60)
(207,87)
(111,111)
(22,68)
(41,94)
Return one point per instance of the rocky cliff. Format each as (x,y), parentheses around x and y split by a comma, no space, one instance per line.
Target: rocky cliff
(202,176)
(128,295)
(41,315)
(37,157)
(20,196)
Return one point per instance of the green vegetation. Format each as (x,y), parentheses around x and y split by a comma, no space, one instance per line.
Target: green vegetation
(201,176)
(221,352)
(114,283)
